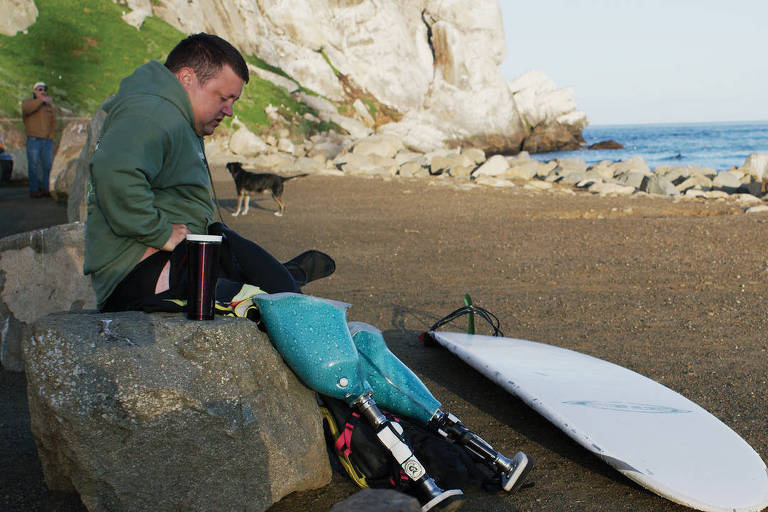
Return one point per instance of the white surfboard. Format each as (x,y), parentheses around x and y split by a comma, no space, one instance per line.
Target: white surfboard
(651,434)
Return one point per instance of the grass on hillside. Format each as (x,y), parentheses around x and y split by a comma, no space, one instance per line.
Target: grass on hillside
(82,49)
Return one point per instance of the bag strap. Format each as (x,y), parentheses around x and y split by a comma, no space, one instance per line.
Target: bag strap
(357,477)
(343,442)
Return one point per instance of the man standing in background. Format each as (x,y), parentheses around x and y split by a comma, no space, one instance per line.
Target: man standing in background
(40,126)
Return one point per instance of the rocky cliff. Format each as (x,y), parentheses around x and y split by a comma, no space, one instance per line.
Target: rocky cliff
(435,62)
(432,65)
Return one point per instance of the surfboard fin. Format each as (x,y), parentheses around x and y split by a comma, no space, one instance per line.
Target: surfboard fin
(511,471)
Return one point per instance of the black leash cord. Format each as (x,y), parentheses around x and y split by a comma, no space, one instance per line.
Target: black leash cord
(483,313)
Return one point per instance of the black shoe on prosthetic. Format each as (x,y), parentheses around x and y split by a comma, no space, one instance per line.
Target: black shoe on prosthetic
(310,266)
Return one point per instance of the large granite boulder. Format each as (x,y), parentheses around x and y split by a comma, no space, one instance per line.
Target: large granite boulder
(756,165)
(552,121)
(156,412)
(41,272)
(73,138)
(78,189)
(18,15)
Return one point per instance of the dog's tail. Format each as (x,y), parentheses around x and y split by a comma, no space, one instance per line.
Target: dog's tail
(286,178)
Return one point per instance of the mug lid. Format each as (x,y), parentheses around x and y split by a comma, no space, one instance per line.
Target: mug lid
(204,238)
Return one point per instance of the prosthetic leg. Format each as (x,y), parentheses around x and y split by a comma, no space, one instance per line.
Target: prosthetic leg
(399,390)
(312,336)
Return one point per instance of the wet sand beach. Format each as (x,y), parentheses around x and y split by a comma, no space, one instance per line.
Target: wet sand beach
(673,290)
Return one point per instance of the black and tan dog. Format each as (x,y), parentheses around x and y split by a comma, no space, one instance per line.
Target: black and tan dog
(248,183)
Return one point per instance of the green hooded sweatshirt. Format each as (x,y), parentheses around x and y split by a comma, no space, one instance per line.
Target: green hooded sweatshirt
(148,171)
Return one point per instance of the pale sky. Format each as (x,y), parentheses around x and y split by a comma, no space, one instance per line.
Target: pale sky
(646,61)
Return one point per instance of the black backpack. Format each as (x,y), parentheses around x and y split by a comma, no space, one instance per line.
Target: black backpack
(354,445)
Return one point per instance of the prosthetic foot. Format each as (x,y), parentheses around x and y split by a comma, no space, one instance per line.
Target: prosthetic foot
(512,471)
(312,336)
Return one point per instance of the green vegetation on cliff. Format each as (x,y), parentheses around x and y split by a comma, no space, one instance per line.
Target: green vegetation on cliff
(82,49)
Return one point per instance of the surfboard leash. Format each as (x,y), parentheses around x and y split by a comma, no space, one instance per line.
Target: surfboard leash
(469,309)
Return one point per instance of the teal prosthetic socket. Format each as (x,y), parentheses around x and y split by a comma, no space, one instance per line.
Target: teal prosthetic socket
(395,387)
(312,336)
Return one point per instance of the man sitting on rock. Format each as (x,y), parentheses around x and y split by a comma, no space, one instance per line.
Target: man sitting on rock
(150,184)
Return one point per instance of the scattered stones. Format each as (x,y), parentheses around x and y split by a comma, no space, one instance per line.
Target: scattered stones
(634,164)
(756,165)
(475,154)
(757,209)
(660,185)
(386,146)
(494,166)
(632,178)
(696,181)
(243,143)
(284,145)
(385,154)
(523,171)
(728,181)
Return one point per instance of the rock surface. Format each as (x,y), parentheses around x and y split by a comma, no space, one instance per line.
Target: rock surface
(17,16)
(606,144)
(552,121)
(378,500)
(155,412)
(64,168)
(437,62)
(78,190)
(41,272)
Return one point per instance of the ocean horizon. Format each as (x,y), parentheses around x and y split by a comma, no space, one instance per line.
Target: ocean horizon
(716,145)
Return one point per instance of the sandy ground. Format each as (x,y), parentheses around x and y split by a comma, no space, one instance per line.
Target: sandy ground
(673,290)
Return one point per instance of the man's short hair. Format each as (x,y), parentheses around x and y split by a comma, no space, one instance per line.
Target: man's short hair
(206,54)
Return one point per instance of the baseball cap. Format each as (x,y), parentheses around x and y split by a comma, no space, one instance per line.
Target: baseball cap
(40,84)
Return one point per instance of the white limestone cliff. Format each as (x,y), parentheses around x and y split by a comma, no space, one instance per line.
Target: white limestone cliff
(434,61)
(17,16)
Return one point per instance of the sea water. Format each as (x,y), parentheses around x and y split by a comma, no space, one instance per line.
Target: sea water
(718,146)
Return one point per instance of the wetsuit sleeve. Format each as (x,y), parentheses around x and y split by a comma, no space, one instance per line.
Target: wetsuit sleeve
(130,156)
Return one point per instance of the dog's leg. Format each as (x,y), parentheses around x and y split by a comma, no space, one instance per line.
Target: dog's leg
(239,205)
(280,204)
(247,202)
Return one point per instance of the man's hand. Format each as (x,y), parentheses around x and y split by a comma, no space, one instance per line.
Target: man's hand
(178,234)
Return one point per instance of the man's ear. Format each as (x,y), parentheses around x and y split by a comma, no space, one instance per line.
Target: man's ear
(186,76)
